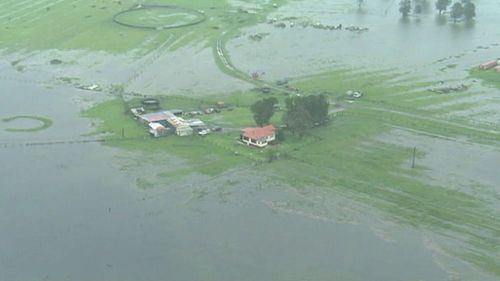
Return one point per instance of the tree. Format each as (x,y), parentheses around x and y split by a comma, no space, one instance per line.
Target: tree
(417,9)
(263,110)
(405,7)
(317,107)
(441,5)
(469,11)
(305,112)
(419,6)
(457,11)
(360,3)
(297,118)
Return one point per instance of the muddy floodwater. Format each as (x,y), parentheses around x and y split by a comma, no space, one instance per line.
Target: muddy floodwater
(70,208)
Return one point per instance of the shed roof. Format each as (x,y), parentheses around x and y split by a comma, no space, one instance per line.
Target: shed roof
(156,116)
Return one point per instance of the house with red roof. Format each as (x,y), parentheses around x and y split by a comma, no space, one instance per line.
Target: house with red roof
(259,137)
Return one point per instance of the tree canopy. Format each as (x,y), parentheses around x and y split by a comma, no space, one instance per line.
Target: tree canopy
(469,11)
(263,110)
(457,11)
(441,5)
(360,3)
(303,112)
(405,7)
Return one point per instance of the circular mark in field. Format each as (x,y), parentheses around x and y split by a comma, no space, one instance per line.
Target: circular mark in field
(28,123)
(158,17)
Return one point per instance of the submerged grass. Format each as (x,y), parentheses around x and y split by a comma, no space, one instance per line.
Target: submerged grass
(50,24)
(490,77)
(45,123)
(347,158)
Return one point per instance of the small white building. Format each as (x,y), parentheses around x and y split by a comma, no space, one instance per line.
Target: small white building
(157,129)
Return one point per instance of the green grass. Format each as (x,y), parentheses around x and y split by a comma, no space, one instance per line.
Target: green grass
(44,123)
(490,77)
(210,155)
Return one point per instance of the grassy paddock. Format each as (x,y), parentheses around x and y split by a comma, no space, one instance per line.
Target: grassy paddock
(210,155)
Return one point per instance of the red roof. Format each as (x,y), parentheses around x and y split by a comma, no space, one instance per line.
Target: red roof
(156,116)
(258,133)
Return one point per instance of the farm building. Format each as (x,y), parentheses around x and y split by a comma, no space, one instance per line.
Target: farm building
(183,130)
(259,137)
(165,119)
(157,129)
(155,117)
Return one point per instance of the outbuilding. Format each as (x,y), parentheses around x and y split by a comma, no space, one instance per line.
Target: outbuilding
(183,130)
(157,129)
(155,117)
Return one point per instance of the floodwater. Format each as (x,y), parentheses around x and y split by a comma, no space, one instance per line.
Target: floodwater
(457,165)
(419,46)
(70,207)
(73,211)
(142,73)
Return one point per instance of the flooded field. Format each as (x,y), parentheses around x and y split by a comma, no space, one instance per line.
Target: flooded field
(344,203)
(426,44)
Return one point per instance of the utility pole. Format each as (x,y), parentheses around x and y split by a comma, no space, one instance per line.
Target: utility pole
(413,159)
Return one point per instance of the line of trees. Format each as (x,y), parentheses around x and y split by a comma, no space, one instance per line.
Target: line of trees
(302,112)
(405,7)
(464,8)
